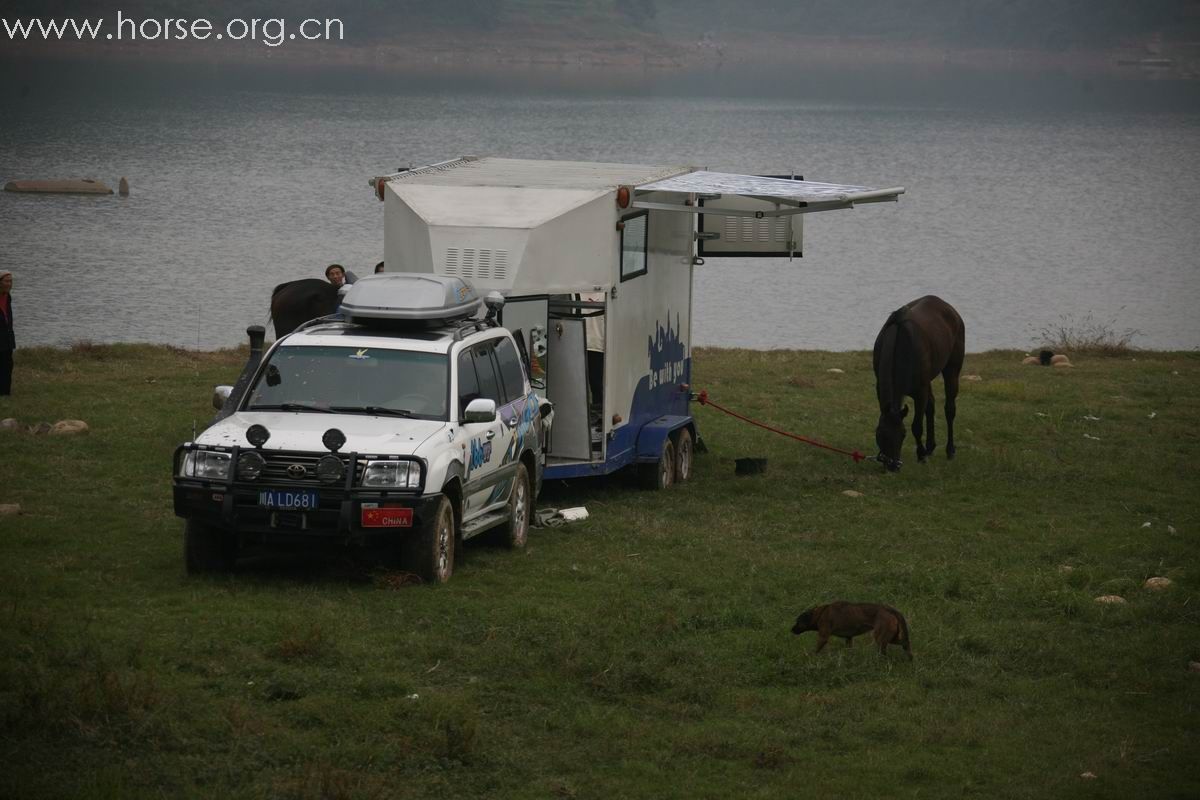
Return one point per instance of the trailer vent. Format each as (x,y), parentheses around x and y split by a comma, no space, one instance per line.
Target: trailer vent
(476,263)
(749,229)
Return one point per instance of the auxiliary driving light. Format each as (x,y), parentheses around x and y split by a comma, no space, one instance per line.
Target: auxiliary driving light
(333,439)
(330,469)
(250,465)
(257,435)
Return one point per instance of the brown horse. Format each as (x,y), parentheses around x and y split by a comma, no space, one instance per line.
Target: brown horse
(918,341)
(296,302)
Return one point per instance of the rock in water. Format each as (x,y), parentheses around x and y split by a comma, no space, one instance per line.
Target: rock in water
(123,187)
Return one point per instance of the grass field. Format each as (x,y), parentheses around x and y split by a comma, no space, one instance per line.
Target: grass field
(646,652)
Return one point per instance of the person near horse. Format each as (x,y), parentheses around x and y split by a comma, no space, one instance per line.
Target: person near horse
(8,341)
(339,276)
(379,268)
(920,340)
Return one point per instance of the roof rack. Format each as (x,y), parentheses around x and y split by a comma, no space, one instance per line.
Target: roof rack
(327,319)
(475,325)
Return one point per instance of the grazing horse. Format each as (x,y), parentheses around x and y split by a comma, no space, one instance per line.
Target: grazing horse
(296,302)
(917,342)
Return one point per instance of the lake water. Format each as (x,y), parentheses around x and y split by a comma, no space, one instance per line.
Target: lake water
(1018,214)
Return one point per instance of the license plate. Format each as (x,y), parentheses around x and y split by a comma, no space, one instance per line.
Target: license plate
(290,499)
(375,517)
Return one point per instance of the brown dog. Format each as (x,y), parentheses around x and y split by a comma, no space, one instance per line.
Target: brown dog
(847,620)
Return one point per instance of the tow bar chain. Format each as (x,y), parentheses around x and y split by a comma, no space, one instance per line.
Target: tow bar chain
(704,401)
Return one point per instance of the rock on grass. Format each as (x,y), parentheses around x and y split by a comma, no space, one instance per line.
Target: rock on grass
(67,427)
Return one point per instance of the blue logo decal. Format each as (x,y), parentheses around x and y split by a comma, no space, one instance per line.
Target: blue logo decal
(667,355)
(481,453)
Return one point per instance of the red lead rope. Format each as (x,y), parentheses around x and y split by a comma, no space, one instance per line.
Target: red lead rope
(704,401)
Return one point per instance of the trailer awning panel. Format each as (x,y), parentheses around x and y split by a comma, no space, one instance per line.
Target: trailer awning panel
(782,189)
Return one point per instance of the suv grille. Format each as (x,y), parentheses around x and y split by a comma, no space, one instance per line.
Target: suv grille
(284,468)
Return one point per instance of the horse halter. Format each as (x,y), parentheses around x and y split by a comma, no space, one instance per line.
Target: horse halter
(893,464)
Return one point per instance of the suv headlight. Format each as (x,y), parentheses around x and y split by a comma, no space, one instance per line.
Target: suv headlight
(210,464)
(392,474)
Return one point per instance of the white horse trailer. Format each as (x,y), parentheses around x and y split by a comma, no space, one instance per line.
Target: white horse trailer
(596,261)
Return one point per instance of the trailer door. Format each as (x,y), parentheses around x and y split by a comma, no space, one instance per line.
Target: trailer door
(528,316)
(570,436)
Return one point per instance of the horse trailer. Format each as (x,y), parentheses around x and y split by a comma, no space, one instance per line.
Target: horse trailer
(596,262)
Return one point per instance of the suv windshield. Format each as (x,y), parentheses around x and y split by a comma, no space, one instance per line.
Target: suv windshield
(363,380)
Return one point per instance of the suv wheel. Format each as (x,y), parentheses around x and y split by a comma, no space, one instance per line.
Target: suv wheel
(432,550)
(207,548)
(520,510)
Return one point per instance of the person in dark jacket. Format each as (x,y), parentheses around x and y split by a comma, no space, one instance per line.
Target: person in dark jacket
(8,342)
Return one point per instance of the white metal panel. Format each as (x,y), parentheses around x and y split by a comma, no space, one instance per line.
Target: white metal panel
(406,237)
(517,172)
(649,311)
(725,183)
(748,235)
(567,385)
(490,206)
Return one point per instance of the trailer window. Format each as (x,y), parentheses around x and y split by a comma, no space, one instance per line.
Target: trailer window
(634,239)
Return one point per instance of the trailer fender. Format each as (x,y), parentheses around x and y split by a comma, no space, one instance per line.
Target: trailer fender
(653,435)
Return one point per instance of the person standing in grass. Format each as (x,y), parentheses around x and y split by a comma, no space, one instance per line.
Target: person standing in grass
(8,342)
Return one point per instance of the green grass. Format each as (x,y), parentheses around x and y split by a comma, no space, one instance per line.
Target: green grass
(645,652)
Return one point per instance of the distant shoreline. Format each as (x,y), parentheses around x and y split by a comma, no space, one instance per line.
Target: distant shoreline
(467,57)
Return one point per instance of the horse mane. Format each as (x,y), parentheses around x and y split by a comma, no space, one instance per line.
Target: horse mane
(895,359)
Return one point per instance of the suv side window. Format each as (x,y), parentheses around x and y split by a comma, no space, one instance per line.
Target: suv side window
(468,384)
(511,372)
(485,370)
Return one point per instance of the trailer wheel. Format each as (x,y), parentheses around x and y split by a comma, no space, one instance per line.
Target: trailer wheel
(660,474)
(207,548)
(430,552)
(520,507)
(683,456)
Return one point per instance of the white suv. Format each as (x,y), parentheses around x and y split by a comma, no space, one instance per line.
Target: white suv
(399,425)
